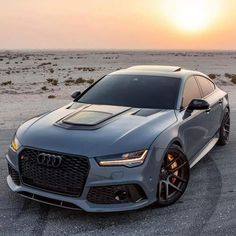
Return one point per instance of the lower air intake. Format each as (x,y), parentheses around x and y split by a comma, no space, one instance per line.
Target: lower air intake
(115,194)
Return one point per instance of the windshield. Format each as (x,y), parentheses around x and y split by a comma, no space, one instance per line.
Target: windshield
(141,91)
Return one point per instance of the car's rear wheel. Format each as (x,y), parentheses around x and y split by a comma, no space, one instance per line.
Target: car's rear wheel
(173,177)
(225,129)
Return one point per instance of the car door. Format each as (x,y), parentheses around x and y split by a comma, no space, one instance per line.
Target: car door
(213,118)
(193,129)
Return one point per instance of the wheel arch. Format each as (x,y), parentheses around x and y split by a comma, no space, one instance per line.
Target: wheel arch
(178,143)
(174,141)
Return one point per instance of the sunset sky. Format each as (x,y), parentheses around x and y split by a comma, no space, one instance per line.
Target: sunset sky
(121,24)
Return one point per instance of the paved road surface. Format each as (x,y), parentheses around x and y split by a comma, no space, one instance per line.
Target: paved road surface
(207,208)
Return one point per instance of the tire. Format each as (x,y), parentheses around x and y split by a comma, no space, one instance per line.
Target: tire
(224,129)
(173,177)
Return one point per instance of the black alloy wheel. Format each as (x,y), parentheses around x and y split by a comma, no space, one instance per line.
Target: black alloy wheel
(174,176)
(225,129)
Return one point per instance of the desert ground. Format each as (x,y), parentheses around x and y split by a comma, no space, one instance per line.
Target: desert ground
(35,82)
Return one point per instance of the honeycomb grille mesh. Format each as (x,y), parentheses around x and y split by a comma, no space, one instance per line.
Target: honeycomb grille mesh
(69,178)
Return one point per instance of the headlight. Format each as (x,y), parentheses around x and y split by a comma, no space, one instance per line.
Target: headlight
(15,144)
(128,159)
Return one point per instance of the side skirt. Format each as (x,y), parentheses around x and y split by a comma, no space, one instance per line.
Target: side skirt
(204,151)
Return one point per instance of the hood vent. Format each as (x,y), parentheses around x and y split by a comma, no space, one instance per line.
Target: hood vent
(146,112)
(92,115)
(87,118)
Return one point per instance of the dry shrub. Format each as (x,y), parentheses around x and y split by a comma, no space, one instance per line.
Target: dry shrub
(54,82)
(212,76)
(44,88)
(233,79)
(9,82)
(80,81)
(90,81)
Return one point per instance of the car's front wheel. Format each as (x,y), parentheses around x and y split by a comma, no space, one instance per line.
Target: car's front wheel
(173,177)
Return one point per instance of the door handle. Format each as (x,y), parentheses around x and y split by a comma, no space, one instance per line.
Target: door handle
(208,110)
(221,101)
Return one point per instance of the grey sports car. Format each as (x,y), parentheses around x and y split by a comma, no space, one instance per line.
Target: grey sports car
(126,142)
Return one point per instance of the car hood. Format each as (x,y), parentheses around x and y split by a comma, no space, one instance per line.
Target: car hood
(95,130)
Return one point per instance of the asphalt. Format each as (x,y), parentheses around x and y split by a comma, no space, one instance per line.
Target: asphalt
(208,206)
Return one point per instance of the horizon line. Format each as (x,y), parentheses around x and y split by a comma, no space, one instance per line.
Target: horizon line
(114,49)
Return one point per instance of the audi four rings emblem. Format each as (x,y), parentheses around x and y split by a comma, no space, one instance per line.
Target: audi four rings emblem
(49,160)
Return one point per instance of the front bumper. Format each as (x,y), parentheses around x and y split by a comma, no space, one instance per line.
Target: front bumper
(144,176)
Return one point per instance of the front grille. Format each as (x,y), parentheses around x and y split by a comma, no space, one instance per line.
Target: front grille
(68,178)
(115,194)
(14,175)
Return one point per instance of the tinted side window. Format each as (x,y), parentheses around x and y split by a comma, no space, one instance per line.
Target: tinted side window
(191,91)
(206,85)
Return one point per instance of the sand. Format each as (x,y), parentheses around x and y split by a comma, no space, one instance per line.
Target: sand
(29,78)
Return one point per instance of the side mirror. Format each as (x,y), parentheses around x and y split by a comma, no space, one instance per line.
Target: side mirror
(75,94)
(198,104)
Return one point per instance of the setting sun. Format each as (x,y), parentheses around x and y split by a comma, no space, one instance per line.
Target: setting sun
(159,24)
(191,15)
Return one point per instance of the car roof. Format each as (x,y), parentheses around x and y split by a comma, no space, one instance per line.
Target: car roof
(159,70)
